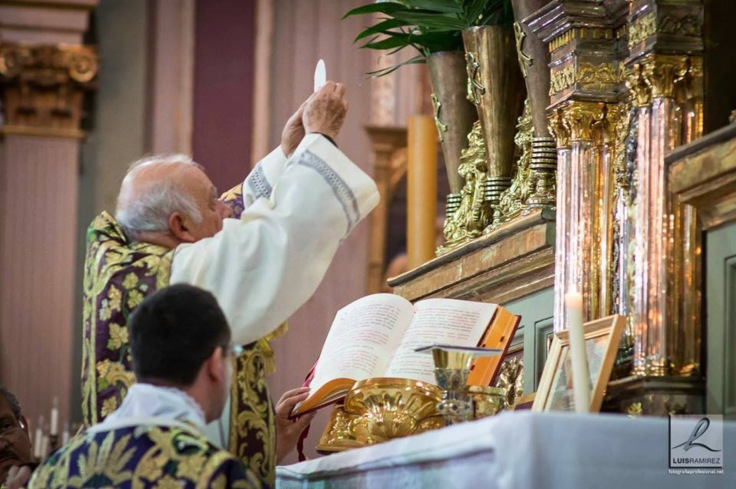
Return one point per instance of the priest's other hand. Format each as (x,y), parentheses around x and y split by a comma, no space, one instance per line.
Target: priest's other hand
(288,430)
(293,131)
(325,110)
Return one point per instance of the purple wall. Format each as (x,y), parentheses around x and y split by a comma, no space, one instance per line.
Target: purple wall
(223,88)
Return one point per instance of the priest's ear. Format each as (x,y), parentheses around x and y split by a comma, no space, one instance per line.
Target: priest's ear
(180,227)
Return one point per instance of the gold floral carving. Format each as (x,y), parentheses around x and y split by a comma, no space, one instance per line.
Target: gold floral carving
(689,25)
(642,28)
(561,79)
(601,74)
(586,73)
(511,379)
(44,84)
(638,84)
(474,214)
(514,198)
(646,26)
(635,409)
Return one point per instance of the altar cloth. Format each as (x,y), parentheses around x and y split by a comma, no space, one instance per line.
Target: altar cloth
(517,450)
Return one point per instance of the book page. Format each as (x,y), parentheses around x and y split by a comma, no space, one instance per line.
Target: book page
(362,339)
(444,321)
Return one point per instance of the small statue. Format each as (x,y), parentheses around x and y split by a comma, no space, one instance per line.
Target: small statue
(473,214)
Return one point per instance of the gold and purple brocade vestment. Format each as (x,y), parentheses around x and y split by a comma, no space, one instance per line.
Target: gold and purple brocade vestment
(141,457)
(119,275)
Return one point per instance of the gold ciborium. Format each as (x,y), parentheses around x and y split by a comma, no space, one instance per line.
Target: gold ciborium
(385,408)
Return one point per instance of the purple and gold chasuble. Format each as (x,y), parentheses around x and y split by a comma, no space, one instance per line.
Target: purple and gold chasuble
(118,275)
(143,456)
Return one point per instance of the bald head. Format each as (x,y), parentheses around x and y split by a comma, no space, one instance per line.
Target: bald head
(168,197)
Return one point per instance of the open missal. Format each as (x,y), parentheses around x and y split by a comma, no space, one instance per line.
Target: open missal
(376,337)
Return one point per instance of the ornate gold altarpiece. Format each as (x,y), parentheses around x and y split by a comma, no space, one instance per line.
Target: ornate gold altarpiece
(627,83)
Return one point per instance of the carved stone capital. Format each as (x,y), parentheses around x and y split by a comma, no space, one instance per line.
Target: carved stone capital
(43,86)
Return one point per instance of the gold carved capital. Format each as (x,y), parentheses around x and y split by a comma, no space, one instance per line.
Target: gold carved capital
(664,72)
(584,119)
(639,85)
(559,128)
(44,86)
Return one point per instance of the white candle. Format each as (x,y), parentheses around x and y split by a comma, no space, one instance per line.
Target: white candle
(55,418)
(38,440)
(578,357)
(65,434)
(45,446)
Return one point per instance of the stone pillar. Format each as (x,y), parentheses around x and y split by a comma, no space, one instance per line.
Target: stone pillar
(44,74)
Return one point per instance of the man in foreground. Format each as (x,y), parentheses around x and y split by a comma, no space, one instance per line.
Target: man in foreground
(182,358)
(262,251)
(15,444)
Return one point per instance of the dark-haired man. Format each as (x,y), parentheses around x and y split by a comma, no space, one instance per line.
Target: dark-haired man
(15,444)
(182,359)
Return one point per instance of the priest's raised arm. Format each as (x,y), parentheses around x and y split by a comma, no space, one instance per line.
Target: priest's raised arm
(264,265)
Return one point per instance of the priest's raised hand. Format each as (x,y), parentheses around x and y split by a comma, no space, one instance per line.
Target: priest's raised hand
(325,110)
(262,249)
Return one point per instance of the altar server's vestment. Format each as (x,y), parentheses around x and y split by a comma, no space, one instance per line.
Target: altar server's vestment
(290,216)
(153,441)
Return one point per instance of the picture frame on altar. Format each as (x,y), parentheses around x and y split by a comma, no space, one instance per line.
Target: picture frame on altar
(602,338)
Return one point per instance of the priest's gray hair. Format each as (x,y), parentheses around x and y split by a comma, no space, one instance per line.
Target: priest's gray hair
(154,202)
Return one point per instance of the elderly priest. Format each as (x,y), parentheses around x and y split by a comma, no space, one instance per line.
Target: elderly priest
(262,250)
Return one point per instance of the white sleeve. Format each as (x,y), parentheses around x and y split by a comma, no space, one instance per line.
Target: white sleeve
(265,265)
(263,177)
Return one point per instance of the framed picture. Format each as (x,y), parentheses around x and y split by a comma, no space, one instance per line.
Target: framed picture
(555,392)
